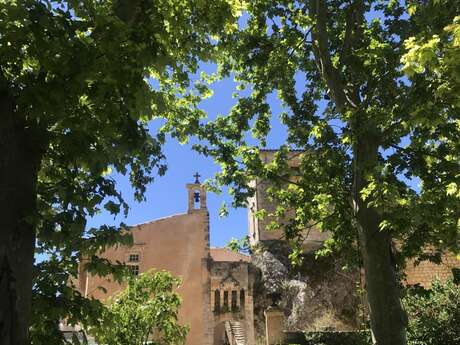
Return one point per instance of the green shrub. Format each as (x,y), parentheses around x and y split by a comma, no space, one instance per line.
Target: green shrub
(434,315)
(330,338)
(338,338)
(149,306)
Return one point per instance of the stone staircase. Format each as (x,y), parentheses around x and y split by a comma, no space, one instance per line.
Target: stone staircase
(235,332)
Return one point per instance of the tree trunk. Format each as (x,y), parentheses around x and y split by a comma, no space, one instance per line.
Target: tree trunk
(388,319)
(19,162)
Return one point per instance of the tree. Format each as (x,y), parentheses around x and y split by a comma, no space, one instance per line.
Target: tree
(239,245)
(380,148)
(79,80)
(145,311)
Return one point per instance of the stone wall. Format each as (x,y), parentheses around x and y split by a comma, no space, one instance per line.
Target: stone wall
(425,272)
(232,297)
(319,295)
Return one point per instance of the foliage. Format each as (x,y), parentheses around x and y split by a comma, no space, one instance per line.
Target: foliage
(369,98)
(338,338)
(145,311)
(239,245)
(329,338)
(435,314)
(85,77)
(431,61)
(54,298)
(274,51)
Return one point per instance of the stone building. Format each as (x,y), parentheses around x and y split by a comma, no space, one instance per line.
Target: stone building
(217,283)
(425,272)
(422,273)
(317,296)
(320,295)
(260,201)
(232,297)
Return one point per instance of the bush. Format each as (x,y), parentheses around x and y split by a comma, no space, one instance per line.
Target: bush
(338,338)
(330,338)
(434,314)
(148,306)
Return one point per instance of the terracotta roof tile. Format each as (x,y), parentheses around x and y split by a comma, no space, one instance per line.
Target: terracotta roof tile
(224,254)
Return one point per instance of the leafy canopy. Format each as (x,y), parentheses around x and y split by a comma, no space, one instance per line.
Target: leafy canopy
(386,71)
(86,77)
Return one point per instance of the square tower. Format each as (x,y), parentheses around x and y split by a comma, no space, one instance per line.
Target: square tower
(257,228)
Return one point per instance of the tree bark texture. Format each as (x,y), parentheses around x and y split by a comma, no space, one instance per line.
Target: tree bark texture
(19,163)
(388,319)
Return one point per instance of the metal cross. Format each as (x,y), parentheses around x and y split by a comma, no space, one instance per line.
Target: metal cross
(197,176)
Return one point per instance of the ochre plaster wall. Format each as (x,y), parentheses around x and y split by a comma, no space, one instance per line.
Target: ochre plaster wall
(179,244)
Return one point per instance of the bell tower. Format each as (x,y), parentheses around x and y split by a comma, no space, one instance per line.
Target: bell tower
(196,195)
(199,216)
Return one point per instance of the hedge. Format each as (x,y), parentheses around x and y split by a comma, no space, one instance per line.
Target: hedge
(328,338)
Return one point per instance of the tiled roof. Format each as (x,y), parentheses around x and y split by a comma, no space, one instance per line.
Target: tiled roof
(224,254)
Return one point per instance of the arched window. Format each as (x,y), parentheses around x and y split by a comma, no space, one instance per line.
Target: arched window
(217,300)
(242,299)
(234,302)
(196,199)
(225,307)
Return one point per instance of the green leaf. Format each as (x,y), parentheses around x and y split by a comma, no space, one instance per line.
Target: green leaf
(452,189)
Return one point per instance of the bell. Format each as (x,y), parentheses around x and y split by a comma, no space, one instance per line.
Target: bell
(196,196)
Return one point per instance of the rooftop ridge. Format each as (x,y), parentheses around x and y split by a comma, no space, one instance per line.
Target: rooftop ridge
(228,255)
(159,219)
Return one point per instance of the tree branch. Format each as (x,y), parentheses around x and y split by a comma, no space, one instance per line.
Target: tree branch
(303,40)
(348,38)
(323,57)
(321,51)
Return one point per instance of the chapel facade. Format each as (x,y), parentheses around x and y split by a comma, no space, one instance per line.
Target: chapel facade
(217,284)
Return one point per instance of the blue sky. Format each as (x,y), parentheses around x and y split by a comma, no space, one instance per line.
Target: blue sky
(167,195)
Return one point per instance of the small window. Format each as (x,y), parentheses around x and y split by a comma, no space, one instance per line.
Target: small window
(133,258)
(456,275)
(134,269)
